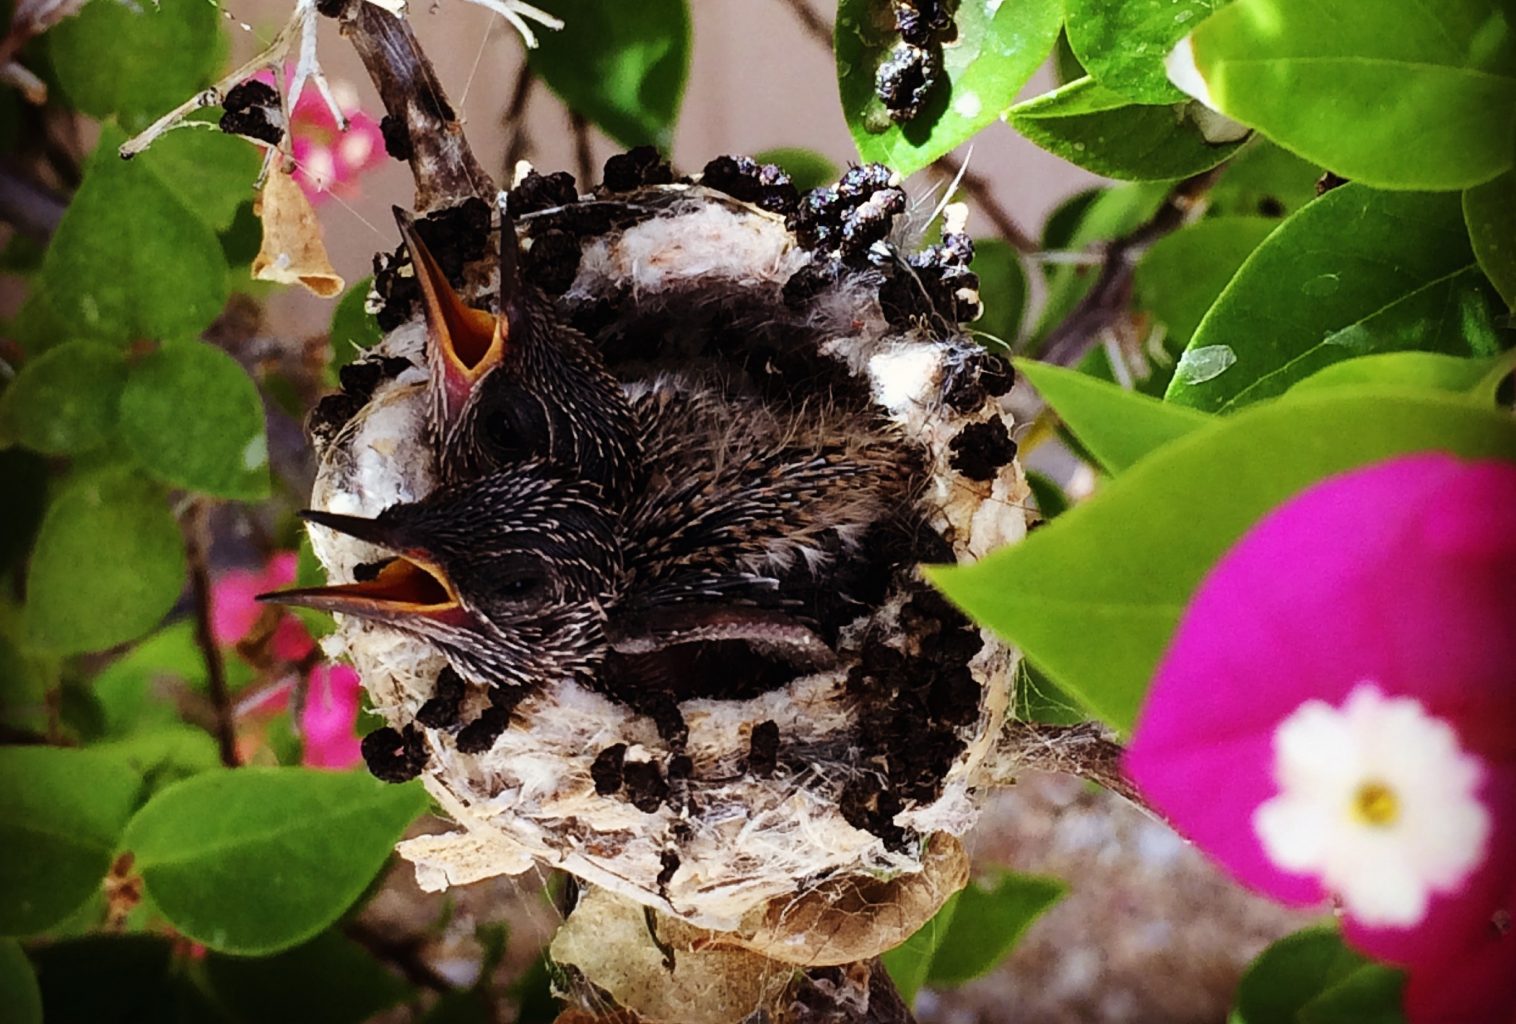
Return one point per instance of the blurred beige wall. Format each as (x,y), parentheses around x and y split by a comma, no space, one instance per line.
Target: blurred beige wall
(757,80)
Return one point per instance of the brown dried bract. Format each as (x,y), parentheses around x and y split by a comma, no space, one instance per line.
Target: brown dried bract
(292,250)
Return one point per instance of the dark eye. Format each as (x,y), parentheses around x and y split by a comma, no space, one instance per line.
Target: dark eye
(513,426)
(523,588)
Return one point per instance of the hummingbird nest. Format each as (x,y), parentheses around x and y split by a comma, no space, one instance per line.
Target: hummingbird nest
(795,779)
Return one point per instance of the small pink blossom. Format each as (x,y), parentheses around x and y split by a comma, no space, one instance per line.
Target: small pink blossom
(1336,719)
(328,160)
(332,692)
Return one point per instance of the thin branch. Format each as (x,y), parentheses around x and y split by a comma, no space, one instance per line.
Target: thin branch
(584,162)
(812,22)
(514,120)
(402,953)
(983,195)
(197,553)
(442,163)
(1087,750)
(1109,298)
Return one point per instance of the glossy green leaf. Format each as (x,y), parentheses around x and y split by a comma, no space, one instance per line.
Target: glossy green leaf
(1354,273)
(64,401)
(1310,976)
(1428,371)
(807,168)
(328,979)
(1091,126)
(1117,426)
(108,565)
(1179,277)
(19,993)
(353,327)
(129,260)
(211,172)
(1264,180)
(135,61)
(1347,84)
(999,46)
(192,416)
(1123,44)
(621,65)
(1093,598)
(1002,289)
(61,812)
(260,859)
(1490,212)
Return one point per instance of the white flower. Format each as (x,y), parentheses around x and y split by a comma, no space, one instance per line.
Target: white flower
(1377,799)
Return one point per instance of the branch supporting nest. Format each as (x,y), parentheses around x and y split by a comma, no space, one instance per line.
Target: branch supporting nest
(442,163)
(1087,750)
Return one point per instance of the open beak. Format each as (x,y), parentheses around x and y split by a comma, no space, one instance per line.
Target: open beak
(464,343)
(410,586)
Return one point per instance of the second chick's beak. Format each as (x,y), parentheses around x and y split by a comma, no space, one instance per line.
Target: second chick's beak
(463,344)
(411,586)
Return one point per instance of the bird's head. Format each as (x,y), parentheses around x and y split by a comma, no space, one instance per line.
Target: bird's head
(517,383)
(509,575)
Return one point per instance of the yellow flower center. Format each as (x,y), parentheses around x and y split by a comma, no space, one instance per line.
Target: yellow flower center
(1376,804)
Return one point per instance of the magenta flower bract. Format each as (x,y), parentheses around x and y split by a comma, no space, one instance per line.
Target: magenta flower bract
(1336,718)
(332,691)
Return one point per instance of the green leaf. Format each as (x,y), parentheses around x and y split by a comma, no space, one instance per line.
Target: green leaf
(64,401)
(807,168)
(1264,180)
(622,65)
(191,414)
(61,812)
(1002,289)
(1091,126)
(1490,212)
(353,327)
(210,172)
(1413,371)
(1180,276)
(1117,426)
(1354,273)
(1093,598)
(997,49)
(1346,84)
(328,979)
(910,962)
(19,993)
(1308,973)
(135,61)
(309,573)
(1051,501)
(129,260)
(1123,44)
(165,753)
(972,931)
(108,565)
(988,923)
(260,859)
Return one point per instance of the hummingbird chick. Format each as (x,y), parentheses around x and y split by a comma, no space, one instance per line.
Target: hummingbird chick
(517,383)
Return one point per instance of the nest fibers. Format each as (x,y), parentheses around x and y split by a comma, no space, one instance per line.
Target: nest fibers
(817,820)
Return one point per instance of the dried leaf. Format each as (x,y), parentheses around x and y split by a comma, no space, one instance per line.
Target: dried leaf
(292,251)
